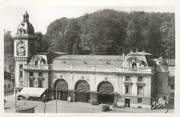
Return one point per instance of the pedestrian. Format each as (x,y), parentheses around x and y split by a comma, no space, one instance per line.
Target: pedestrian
(69,99)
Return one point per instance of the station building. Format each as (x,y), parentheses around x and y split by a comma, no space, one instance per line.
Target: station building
(130,80)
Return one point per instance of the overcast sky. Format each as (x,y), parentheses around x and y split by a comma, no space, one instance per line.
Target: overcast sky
(42,13)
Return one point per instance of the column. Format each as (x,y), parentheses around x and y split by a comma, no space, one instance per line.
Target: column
(93,98)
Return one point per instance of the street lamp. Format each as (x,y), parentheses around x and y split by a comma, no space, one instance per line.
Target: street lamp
(15,103)
(44,100)
(56,99)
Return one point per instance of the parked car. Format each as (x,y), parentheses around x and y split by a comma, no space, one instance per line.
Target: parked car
(20,97)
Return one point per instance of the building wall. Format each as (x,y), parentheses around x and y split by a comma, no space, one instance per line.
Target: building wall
(134,79)
(171,87)
(146,102)
(93,79)
(17,73)
(8,85)
(117,80)
(146,96)
(45,75)
(162,84)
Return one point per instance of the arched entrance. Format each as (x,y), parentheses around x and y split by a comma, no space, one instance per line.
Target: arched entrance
(105,92)
(61,89)
(82,91)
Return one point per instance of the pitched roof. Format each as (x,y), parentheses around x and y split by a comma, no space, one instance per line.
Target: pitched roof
(91,57)
(88,60)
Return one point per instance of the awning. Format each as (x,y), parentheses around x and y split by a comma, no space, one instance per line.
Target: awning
(32,92)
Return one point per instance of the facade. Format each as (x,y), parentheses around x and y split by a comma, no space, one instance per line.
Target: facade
(166,75)
(124,80)
(8,63)
(8,83)
(171,75)
(104,79)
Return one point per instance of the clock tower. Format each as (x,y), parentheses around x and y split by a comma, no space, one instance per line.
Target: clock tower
(24,48)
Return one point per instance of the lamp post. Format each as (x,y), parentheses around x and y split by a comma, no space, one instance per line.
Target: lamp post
(56,100)
(44,101)
(15,103)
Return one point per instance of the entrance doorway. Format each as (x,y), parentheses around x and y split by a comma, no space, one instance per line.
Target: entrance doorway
(61,90)
(127,102)
(106,98)
(62,95)
(105,92)
(82,97)
(82,91)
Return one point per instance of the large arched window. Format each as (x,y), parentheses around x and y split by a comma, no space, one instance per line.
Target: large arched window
(82,86)
(105,87)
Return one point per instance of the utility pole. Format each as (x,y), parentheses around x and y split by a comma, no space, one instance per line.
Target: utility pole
(44,101)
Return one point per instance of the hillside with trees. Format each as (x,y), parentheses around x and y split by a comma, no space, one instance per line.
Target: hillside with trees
(113,32)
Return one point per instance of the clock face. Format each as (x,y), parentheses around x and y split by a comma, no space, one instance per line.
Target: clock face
(21,48)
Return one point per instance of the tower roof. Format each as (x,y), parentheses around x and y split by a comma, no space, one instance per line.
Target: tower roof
(25,27)
(26,17)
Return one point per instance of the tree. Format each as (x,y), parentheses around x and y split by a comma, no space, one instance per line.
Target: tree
(71,35)
(55,35)
(155,41)
(167,30)
(103,31)
(137,30)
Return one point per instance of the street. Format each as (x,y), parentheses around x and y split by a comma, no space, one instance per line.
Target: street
(71,107)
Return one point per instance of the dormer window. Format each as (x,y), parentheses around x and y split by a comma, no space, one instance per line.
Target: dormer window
(134,65)
(43,61)
(24,31)
(143,64)
(36,63)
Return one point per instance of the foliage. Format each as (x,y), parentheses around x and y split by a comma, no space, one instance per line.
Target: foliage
(113,32)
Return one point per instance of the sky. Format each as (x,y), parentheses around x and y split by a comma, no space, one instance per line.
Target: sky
(43,13)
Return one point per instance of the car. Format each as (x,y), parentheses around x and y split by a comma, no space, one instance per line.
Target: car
(20,97)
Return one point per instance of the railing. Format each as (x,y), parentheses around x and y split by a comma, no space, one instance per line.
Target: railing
(42,67)
(25,35)
(105,69)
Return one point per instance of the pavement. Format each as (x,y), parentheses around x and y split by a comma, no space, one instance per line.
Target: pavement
(71,107)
